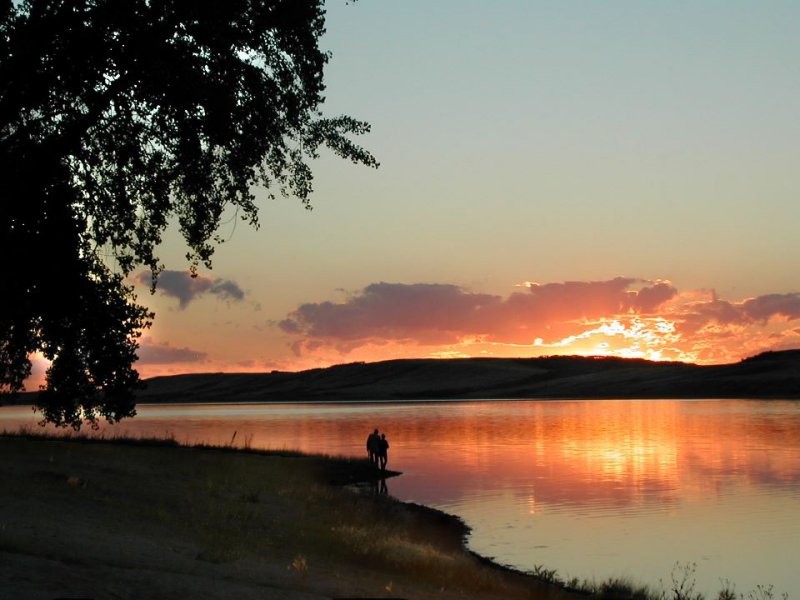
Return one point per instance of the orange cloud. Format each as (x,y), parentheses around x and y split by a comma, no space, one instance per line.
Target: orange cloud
(441,314)
(622,317)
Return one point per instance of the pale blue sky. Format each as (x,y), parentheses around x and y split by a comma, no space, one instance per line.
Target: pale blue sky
(532,141)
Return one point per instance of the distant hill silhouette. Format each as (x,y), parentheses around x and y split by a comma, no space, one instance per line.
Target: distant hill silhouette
(768,375)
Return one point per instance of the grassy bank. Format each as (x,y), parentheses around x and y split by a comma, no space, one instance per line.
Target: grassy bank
(147,519)
(82,517)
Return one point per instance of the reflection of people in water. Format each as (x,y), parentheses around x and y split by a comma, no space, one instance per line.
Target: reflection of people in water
(383,451)
(379,487)
(373,447)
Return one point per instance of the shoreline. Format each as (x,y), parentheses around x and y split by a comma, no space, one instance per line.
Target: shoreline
(340,531)
(769,375)
(27,399)
(350,473)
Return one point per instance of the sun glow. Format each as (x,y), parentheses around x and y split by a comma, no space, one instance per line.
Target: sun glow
(651,338)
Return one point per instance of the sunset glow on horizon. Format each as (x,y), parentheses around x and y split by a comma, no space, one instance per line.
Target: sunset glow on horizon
(390,321)
(621,317)
(613,180)
(608,318)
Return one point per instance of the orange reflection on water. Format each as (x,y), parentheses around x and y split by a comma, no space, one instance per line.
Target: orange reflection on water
(613,451)
(616,451)
(586,487)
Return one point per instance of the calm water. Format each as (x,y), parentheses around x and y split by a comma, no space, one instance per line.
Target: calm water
(593,489)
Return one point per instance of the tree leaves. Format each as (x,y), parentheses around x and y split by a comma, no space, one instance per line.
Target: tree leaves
(116,117)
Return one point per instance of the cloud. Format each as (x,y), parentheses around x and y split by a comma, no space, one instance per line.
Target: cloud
(622,316)
(445,314)
(184,287)
(434,313)
(227,289)
(765,307)
(585,300)
(718,315)
(649,299)
(164,354)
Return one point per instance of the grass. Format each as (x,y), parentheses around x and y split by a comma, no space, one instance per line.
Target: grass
(680,587)
(232,504)
(241,506)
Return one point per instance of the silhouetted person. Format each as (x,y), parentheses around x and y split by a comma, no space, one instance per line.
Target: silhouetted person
(383,451)
(373,447)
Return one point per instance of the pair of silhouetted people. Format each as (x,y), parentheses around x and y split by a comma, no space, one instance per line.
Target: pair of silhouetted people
(378,449)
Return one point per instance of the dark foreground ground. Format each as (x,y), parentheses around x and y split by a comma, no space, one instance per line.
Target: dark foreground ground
(104,520)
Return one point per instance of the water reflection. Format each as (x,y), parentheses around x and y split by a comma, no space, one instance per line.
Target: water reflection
(379,487)
(591,488)
(614,453)
(574,453)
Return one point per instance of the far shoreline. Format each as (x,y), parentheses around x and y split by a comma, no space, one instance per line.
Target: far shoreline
(24,400)
(766,376)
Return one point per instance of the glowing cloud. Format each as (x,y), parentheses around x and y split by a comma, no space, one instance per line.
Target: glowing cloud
(432,314)
(623,316)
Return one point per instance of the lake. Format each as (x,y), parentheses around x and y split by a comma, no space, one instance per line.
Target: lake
(593,489)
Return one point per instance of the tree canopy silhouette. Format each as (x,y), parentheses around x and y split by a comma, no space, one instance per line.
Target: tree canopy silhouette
(115,119)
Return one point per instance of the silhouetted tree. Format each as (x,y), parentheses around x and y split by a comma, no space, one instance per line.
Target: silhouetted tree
(117,116)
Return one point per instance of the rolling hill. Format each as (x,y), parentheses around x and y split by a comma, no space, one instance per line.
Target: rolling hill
(768,375)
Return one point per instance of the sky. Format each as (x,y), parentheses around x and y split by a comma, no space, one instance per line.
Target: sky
(595,178)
